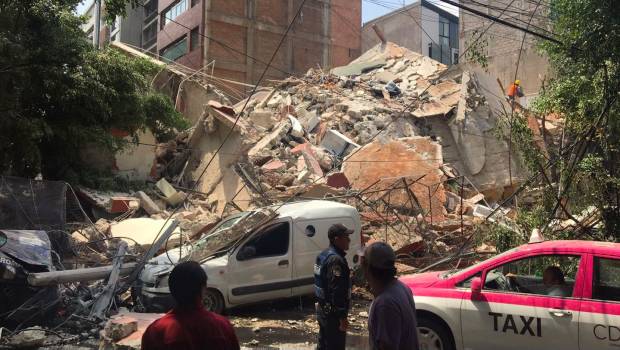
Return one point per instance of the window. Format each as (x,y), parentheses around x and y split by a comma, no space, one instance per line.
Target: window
(150,10)
(175,51)
(194,39)
(149,35)
(173,12)
(273,241)
(444,41)
(310,231)
(606,281)
(551,275)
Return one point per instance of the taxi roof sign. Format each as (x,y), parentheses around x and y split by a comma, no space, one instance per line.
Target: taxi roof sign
(536,236)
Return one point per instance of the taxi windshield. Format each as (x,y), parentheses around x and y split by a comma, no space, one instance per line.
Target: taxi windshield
(465,270)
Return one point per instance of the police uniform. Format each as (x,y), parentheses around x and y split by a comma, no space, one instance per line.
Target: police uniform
(333,292)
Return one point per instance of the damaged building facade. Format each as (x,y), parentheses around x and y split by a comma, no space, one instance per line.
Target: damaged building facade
(234,39)
(503,45)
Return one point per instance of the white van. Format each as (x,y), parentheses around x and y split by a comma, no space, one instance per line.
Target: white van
(256,256)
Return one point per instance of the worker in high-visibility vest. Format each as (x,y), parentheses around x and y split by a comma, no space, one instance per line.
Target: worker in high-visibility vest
(514,90)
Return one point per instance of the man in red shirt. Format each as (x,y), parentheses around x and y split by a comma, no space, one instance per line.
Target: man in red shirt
(189,326)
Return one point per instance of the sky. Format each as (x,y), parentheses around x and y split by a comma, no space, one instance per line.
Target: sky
(370,8)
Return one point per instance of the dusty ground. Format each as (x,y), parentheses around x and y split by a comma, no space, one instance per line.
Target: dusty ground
(291,324)
(282,324)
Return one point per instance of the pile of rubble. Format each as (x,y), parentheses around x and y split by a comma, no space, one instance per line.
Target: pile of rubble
(412,145)
(392,133)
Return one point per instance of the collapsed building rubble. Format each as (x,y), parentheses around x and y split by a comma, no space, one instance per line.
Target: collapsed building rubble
(414,147)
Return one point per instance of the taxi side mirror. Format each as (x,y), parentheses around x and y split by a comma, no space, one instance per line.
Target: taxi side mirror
(476,286)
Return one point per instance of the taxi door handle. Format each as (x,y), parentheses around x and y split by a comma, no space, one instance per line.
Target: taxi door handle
(560,313)
(283,263)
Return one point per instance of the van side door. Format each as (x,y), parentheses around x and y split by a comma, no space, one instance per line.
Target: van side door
(260,268)
(599,319)
(309,240)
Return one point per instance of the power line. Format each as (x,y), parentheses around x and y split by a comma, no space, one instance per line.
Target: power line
(501,21)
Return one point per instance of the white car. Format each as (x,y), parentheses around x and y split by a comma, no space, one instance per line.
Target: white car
(505,303)
(256,256)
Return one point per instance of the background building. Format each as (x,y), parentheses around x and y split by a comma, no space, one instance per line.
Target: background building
(127,30)
(326,34)
(504,43)
(421,27)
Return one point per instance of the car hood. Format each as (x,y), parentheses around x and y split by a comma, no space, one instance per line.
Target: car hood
(425,279)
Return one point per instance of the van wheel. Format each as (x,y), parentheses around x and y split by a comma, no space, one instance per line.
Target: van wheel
(433,335)
(213,301)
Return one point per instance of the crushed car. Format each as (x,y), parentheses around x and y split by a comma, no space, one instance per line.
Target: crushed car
(255,256)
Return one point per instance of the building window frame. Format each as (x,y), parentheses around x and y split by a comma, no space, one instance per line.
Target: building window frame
(194,39)
(180,46)
(173,11)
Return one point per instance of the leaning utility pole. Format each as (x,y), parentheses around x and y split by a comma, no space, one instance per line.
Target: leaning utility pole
(97,24)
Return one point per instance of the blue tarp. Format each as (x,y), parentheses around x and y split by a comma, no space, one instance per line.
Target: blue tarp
(29,246)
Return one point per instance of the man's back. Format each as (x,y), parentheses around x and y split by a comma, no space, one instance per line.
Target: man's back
(392,321)
(195,329)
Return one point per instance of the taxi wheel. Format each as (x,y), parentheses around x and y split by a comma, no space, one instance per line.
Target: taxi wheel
(433,335)
(213,301)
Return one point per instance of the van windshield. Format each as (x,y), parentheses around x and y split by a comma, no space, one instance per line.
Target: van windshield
(229,232)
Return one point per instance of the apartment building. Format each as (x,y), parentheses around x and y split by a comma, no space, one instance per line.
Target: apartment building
(422,27)
(127,30)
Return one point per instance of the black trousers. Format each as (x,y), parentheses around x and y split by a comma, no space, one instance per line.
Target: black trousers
(330,335)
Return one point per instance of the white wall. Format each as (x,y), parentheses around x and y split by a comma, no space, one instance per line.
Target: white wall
(430,23)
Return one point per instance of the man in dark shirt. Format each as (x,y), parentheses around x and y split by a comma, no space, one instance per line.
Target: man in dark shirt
(392,321)
(189,326)
(333,289)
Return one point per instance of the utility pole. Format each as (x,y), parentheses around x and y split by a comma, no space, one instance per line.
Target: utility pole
(97,24)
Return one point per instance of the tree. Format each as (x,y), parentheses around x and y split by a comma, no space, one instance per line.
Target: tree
(57,94)
(584,91)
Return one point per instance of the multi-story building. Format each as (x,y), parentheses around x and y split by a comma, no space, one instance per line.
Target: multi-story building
(124,29)
(237,37)
(502,44)
(422,27)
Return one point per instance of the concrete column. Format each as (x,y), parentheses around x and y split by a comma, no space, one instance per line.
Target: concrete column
(250,40)
(290,58)
(327,15)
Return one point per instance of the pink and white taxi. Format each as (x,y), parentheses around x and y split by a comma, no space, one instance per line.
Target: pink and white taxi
(549,295)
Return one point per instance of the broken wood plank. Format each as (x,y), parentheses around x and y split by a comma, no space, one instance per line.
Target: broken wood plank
(102,303)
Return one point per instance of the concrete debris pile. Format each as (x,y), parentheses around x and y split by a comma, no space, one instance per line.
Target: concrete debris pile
(387,133)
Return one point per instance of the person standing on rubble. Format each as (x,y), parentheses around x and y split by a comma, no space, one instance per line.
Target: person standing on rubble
(189,326)
(332,284)
(514,91)
(391,319)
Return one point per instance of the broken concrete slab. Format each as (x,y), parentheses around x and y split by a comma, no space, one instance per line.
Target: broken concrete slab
(260,152)
(171,195)
(143,231)
(416,160)
(358,68)
(147,203)
(386,76)
(119,328)
(338,144)
(263,118)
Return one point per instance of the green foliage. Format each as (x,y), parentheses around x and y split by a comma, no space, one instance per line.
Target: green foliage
(586,76)
(58,95)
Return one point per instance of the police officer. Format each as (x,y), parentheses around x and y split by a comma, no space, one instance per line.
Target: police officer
(332,284)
